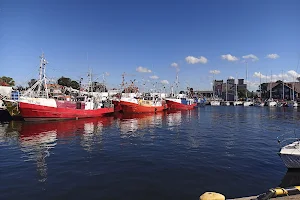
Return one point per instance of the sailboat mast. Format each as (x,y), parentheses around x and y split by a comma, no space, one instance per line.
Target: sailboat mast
(177,82)
(226,90)
(294,88)
(246,79)
(282,86)
(294,80)
(236,92)
(260,85)
(271,87)
(214,86)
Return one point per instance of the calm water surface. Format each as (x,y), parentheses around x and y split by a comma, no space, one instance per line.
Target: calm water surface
(177,155)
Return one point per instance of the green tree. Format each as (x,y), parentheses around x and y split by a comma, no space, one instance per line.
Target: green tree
(242,94)
(5,80)
(64,81)
(74,85)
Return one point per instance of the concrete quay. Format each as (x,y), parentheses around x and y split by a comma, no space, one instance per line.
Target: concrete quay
(292,197)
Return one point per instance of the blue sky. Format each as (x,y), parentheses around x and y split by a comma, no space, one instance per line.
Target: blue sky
(120,36)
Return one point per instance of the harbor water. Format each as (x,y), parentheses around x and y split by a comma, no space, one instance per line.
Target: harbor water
(172,155)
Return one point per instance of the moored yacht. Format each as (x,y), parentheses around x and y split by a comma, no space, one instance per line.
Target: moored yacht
(290,152)
(248,103)
(271,103)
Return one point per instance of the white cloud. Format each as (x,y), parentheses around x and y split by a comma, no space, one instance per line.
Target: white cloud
(229,57)
(143,69)
(154,77)
(215,71)
(252,85)
(260,75)
(272,56)
(165,82)
(288,76)
(251,57)
(107,73)
(293,74)
(194,60)
(174,64)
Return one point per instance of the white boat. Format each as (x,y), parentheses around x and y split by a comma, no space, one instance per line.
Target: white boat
(290,153)
(248,103)
(271,103)
(227,103)
(215,103)
(295,104)
(237,103)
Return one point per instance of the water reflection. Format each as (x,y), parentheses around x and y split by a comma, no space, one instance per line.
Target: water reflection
(92,131)
(37,139)
(174,119)
(129,124)
(9,133)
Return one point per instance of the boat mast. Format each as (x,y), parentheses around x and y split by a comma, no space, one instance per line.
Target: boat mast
(260,86)
(294,88)
(271,86)
(42,75)
(177,81)
(282,86)
(294,81)
(246,80)
(214,86)
(226,90)
(90,81)
(236,92)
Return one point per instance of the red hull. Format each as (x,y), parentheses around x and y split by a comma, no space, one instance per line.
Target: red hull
(32,112)
(117,106)
(179,106)
(128,107)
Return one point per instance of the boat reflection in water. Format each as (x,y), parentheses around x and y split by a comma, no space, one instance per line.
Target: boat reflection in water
(92,131)
(291,178)
(129,124)
(174,118)
(37,139)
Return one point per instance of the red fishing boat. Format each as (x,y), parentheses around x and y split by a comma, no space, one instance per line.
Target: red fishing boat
(181,103)
(144,104)
(36,104)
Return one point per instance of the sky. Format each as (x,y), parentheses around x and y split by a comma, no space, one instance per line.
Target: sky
(151,40)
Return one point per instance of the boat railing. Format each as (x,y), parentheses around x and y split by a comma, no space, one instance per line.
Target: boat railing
(287,138)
